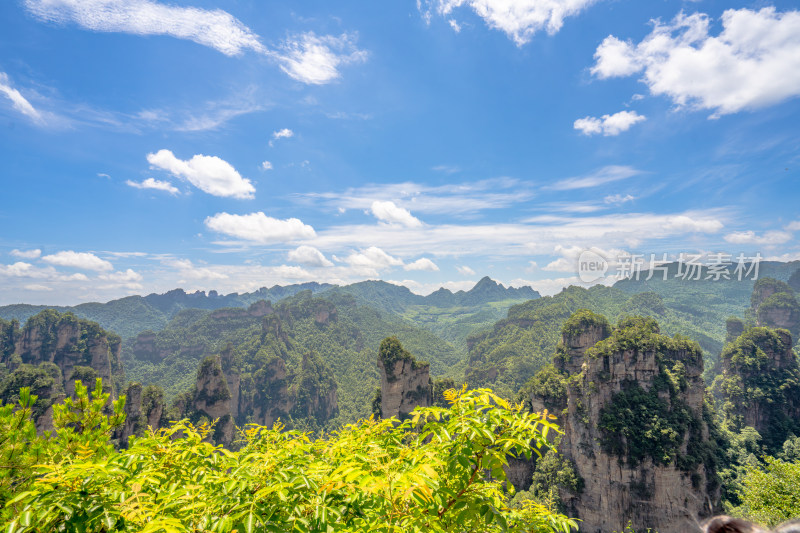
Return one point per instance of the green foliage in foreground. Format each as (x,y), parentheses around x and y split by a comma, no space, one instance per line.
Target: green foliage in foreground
(770,493)
(425,474)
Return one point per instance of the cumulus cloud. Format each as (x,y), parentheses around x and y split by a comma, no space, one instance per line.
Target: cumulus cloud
(754,62)
(392,214)
(793,226)
(26,254)
(372,259)
(129,279)
(151,183)
(210,174)
(465,270)
(308,255)
(422,264)
(18,102)
(603,176)
(266,165)
(259,228)
(608,125)
(768,238)
(82,260)
(126,276)
(314,59)
(285,133)
(519,19)
(216,29)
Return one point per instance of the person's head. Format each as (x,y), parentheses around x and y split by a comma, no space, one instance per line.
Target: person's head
(727,524)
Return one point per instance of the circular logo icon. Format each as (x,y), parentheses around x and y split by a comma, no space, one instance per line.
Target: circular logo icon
(591,266)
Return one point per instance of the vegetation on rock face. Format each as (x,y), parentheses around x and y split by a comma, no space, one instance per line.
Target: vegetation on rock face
(391,351)
(370,476)
(762,382)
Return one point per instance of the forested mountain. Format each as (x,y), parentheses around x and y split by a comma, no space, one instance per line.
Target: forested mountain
(130,315)
(515,348)
(673,392)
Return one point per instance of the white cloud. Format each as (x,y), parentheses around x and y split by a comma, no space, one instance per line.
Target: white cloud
(608,125)
(82,260)
(315,60)
(37,287)
(793,226)
(126,276)
(451,199)
(750,237)
(390,213)
(618,199)
(266,165)
(285,133)
(151,183)
(372,259)
(208,173)
(308,255)
(455,25)
(519,19)
(427,288)
(128,279)
(465,270)
(18,102)
(422,264)
(26,254)
(259,228)
(754,62)
(533,236)
(216,29)
(603,176)
(560,265)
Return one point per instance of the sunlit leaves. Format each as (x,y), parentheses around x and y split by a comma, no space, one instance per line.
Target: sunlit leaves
(440,470)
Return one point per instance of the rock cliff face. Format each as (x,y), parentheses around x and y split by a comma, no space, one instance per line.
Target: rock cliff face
(144,407)
(634,426)
(405,382)
(67,342)
(774,305)
(49,353)
(760,384)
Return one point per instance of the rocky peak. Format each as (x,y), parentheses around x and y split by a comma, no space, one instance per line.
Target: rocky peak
(69,342)
(764,288)
(634,426)
(759,384)
(580,332)
(405,382)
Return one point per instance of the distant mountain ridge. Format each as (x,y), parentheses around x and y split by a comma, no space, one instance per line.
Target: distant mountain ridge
(130,315)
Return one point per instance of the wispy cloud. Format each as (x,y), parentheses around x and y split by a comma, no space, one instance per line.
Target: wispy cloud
(18,102)
(306,57)
(452,199)
(216,29)
(315,60)
(151,183)
(603,176)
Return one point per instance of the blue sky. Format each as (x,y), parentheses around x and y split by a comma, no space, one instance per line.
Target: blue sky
(232,145)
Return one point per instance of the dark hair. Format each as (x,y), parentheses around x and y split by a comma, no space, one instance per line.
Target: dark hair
(727,524)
